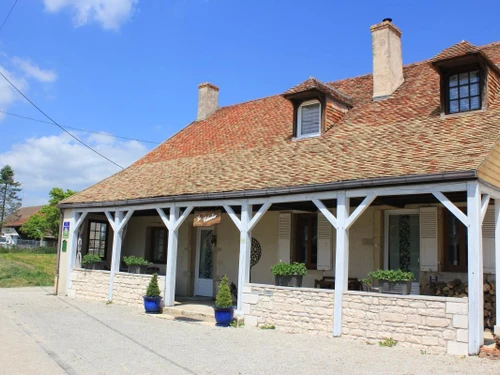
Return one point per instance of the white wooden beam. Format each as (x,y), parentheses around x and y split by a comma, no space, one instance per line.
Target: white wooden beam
(453,209)
(258,215)
(115,251)
(359,210)
(173,241)
(75,222)
(326,213)
(490,190)
(244,259)
(342,261)
(80,220)
(182,218)
(485,201)
(124,221)
(233,216)
(497,264)
(475,268)
(164,217)
(110,219)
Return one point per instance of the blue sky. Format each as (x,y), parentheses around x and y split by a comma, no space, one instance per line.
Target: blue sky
(131,67)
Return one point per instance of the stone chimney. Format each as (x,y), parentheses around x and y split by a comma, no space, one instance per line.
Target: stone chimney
(208,100)
(387,59)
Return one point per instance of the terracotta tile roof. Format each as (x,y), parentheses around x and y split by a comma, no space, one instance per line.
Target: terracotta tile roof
(313,83)
(249,145)
(21,216)
(457,50)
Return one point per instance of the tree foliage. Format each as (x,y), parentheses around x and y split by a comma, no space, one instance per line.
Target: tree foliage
(9,190)
(46,221)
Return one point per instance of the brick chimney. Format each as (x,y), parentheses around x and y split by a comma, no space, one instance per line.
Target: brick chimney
(208,100)
(387,59)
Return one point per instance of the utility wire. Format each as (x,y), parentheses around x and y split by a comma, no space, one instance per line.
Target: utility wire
(8,15)
(78,129)
(55,123)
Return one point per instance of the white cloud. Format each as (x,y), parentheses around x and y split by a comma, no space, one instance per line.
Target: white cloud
(7,93)
(110,14)
(34,71)
(46,162)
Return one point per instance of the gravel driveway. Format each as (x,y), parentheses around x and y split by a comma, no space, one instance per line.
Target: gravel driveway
(44,334)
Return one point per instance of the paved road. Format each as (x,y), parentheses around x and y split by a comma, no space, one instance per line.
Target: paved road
(44,334)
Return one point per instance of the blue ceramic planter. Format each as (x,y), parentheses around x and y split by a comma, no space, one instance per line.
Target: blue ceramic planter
(224,316)
(152,305)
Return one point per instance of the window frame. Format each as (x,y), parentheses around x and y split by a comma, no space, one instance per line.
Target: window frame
(463,250)
(308,262)
(150,244)
(299,119)
(105,240)
(446,91)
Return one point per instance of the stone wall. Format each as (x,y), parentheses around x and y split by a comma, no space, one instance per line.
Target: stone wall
(128,289)
(433,324)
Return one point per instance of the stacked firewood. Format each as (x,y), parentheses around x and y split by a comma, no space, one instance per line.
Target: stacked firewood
(456,288)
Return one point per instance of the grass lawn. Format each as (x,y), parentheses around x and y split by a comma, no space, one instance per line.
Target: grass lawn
(27,269)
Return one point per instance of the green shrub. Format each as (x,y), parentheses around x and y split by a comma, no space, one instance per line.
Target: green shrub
(287,269)
(224,298)
(392,275)
(268,326)
(136,261)
(388,342)
(91,258)
(366,281)
(153,288)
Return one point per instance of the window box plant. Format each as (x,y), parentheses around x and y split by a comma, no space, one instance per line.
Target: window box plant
(92,262)
(136,264)
(289,274)
(152,299)
(224,310)
(393,281)
(366,284)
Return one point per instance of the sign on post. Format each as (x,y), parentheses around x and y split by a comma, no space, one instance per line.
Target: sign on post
(65,230)
(206,218)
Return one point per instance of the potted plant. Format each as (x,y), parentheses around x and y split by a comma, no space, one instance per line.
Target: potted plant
(366,284)
(152,299)
(289,274)
(91,262)
(393,281)
(136,264)
(224,310)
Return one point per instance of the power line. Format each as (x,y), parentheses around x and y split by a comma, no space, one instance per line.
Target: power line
(79,129)
(55,123)
(8,15)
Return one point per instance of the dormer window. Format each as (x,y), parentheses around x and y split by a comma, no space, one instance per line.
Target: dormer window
(464,91)
(309,119)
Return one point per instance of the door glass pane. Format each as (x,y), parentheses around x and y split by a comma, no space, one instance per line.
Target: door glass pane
(206,254)
(404,243)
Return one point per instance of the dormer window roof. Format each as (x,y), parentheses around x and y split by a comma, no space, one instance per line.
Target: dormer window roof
(311,85)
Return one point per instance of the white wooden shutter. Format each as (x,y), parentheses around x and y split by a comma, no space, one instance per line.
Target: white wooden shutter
(284,237)
(325,241)
(489,240)
(428,239)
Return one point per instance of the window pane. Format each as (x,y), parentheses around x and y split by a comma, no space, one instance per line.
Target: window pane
(453,80)
(454,93)
(464,91)
(475,103)
(474,76)
(464,104)
(453,106)
(310,119)
(474,89)
(464,78)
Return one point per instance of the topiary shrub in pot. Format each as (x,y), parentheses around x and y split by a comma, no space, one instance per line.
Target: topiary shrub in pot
(92,262)
(393,281)
(136,264)
(224,310)
(152,299)
(289,274)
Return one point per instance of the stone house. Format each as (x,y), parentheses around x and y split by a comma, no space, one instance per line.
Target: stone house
(395,169)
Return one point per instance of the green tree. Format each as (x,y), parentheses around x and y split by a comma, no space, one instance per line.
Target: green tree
(47,220)
(9,190)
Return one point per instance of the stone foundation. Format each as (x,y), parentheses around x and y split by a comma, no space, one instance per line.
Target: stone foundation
(128,289)
(433,324)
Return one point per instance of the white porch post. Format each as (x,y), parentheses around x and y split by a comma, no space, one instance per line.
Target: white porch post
(173,241)
(245,247)
(497,264)
(342,260)
(475,267)
(75,223)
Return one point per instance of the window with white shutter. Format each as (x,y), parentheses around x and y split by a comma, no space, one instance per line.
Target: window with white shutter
(309,119)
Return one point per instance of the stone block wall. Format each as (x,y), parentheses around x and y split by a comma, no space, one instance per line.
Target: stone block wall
(433,324)
(128,289)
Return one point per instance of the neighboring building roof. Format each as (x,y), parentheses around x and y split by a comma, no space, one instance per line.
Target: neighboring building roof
(249,146)
(9,232)
(21,216)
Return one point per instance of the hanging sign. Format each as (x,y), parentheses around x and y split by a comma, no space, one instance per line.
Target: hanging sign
(65,231)
(206,218)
